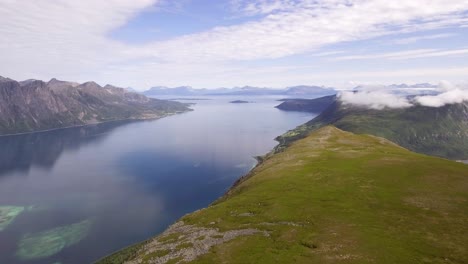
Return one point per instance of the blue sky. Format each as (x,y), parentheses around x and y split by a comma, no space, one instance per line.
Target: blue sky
(209,44)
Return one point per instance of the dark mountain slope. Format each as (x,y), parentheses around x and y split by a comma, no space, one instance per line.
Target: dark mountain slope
(441,131)
(36,105)
(307,105)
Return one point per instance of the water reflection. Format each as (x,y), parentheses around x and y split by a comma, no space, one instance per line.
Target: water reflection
(20,152)
(127,181)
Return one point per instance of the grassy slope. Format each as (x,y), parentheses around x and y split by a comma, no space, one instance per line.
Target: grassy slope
(337,197)
(441,132)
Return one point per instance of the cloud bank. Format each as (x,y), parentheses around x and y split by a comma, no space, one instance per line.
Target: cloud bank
(380,97)
(374,98)
(451,94)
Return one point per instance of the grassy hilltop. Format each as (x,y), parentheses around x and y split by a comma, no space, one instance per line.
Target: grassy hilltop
(331,197)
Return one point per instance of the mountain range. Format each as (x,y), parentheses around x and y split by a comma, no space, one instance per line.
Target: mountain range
(301,90)
(438,131)
(344,187)
(34,105)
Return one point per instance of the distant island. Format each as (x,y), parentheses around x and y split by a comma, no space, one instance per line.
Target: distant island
(239,102)
(35,105)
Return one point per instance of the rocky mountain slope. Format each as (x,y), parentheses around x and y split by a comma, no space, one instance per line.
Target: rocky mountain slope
(438,131)
(331,197)
(35,105)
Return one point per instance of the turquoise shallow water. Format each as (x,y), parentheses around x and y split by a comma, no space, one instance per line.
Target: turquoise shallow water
(82,193)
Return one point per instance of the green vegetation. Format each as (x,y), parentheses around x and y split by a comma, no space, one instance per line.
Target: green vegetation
(174,260)
(316,105)
(123,255)
(50,242)
(441,131)
(337,197)
(8,214)
(184,245)
(155,254)
(169,238)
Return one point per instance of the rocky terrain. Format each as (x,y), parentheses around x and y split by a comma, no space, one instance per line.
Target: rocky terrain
(35,105)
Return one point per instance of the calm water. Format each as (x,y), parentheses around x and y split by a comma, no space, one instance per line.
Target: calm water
(85,192)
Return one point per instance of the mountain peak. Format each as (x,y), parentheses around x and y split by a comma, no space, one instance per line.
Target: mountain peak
(90,84)
(5,79)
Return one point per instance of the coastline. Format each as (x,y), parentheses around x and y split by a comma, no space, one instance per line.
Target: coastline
(260,216)
(96,123)
(281,146)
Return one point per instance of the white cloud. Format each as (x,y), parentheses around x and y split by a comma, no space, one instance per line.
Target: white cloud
(70,39)
(380,97)
(305,26)
(408,54)
(262,7)
(451,94)
(374,99)
(62,37)
(405,41)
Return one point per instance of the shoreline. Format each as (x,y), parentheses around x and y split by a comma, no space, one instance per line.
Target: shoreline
(97,123)
(260,160)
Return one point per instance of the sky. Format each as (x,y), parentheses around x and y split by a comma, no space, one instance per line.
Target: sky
(227,43)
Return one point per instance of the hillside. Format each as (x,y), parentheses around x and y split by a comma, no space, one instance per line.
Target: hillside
(331,197)
(316,105)
(34,105)
(437,131)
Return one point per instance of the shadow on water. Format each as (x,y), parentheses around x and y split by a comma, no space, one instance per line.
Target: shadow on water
(18,153)
(85,192)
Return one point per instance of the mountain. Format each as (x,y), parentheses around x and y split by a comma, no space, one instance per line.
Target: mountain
(438,131)
(131,90)
(35,105)
(307,105)
(179,91)
(331,197)
(309,90)
(417,85)
(236,91)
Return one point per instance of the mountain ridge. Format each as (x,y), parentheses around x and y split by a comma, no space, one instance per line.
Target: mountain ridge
(344,197)
(36,105)
(438,131)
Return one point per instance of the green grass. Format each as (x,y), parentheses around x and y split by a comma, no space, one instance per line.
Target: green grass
(353,198)
(169,238)
(174,260)
(436,131)
(337,197)
(155,254)
(123,255)
(184,245)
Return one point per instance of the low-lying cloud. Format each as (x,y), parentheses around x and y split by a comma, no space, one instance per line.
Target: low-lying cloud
(382,97)
(377,99)
(450,94)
